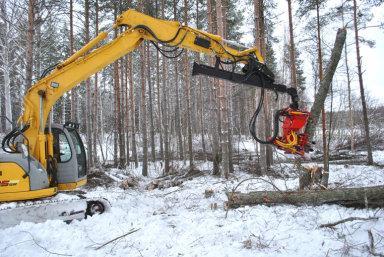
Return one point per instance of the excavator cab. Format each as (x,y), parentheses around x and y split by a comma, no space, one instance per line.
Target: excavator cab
(23,177)
(69,156)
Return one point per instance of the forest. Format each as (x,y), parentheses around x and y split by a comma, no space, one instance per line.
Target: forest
(173,154)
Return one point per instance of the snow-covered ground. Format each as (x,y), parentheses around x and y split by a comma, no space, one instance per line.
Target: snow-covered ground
(180,221)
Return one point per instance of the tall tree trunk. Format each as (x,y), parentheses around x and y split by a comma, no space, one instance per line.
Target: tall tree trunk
(178,107)
(215,113)
(29,43)
(122,141)
(95,121)
(5,52)
(167,154)
(150,98)
(144,111)
(119,141)
(159,100)
(159,103)
(266,150)
(362,94)
(127,111)
(325,178)
(223,99)
(3,122)
(188,93)
(7,90)
(350,107)
(132,107)
(88,110)
(200,86)
(115,111)
(228,90)
(202,124)
(165,115)
(292,58)
(71,50)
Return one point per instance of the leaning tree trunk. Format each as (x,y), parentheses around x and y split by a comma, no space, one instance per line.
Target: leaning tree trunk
(372,197)
(325,83)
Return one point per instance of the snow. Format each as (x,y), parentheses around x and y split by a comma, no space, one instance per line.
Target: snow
(180,221)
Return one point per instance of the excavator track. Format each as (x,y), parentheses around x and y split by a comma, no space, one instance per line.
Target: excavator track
(12,214)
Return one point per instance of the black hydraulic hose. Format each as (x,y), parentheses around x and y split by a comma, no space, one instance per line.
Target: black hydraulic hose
(9,139)
(146,28)
(163,52)
(47,70)
(252,122)
(18,133)
(52,169)
(6,141)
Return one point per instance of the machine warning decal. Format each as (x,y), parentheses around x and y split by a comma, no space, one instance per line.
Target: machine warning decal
(4,183)
(54,84)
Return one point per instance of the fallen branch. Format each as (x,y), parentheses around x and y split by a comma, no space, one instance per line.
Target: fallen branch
(365,197)
(42,247)
(371,247)
(117,238)
(328,225)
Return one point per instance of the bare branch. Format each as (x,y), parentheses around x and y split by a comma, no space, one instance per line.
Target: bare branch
(42,247)
(371,247)
(328,225)
(117,238)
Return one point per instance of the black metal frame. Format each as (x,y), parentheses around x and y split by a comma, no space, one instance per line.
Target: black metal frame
(255,74)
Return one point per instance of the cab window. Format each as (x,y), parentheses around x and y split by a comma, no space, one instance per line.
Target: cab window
(61,146)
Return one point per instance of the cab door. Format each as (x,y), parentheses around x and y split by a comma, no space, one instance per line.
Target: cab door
(79,151)
(69,152)
(63,152)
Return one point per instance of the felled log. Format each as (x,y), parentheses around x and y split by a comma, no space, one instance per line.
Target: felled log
(365,197)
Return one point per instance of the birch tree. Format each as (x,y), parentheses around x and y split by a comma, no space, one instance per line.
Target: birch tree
(9,45)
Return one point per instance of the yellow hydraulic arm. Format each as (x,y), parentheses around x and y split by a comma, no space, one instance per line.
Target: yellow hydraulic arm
(43,95)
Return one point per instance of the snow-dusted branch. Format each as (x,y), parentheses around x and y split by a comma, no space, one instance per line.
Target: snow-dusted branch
(332,224)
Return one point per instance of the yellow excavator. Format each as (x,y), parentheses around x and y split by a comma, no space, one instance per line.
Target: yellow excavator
(42,158)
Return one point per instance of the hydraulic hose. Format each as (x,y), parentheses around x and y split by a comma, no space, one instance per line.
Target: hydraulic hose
(252,122)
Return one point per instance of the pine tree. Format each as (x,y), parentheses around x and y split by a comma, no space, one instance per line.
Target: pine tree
(361,85)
